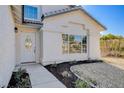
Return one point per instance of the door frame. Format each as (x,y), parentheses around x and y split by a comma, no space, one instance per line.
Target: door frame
(35,48)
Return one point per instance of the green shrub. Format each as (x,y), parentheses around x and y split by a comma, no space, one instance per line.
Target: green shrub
(81,84)
(92,81)
(20,79)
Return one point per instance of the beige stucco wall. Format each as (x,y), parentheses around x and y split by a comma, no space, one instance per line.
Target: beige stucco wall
(7,45)
(69,23)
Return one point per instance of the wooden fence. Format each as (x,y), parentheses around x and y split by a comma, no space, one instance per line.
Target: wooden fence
(112,47)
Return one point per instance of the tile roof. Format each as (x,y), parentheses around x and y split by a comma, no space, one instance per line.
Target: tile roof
(32,22)
(52,13)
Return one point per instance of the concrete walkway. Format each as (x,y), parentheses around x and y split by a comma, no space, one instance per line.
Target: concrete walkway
(40,77)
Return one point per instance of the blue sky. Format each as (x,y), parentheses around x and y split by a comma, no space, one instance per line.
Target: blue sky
(111,16)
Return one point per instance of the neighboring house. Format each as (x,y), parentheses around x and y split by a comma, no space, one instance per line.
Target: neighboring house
(67,33)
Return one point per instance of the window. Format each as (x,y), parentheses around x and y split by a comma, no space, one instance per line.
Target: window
(84,44)
(74,44)
(28,42)
(30,12)
(65,43)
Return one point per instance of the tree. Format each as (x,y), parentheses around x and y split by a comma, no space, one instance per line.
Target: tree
(111,36)
(71,38)
(112,44)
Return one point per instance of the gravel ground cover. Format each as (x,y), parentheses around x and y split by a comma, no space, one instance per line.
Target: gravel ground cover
(100,73)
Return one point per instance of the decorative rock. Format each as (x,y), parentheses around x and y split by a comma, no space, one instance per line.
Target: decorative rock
(66,74)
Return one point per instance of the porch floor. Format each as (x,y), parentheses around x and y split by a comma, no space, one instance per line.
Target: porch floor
(40,77)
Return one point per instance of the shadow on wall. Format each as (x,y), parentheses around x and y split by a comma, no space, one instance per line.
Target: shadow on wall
(7,45)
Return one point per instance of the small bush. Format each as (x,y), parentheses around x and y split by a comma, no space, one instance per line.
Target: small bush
(20,79)
(81,84)
(92,81)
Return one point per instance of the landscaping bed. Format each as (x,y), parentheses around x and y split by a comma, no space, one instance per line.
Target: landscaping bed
(63,73)
(20,79)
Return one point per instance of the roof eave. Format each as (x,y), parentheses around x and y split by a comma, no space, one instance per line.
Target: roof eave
(104,28)
(79,8)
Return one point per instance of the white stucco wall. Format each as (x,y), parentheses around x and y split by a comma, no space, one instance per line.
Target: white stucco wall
(38,46)
(52,50)
(49,8)
(94,45)
(18,47)
(7,45)
(64,23)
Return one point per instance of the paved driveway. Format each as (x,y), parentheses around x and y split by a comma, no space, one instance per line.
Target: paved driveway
(104,74)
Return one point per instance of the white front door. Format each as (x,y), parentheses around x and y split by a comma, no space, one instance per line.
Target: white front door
(28,47)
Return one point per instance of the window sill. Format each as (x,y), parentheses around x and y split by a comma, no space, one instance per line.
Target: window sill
(32,21)
(74,53)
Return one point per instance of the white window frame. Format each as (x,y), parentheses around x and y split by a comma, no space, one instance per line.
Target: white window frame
(84,44)
(81,44)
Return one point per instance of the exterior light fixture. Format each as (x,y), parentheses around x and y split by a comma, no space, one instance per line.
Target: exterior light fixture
(16,30)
